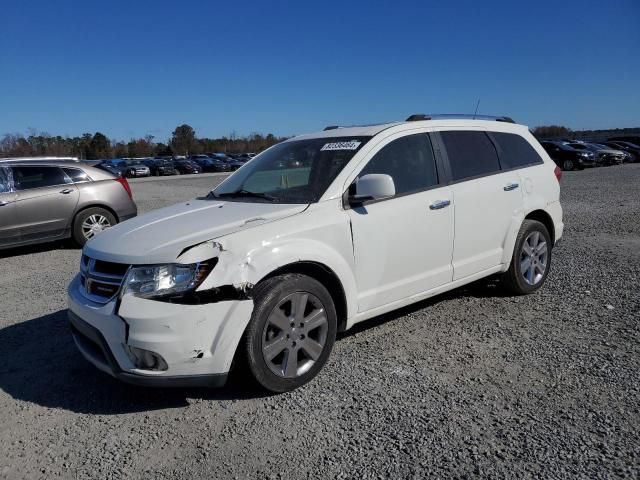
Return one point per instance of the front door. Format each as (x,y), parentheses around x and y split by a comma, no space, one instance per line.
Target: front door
(403,244)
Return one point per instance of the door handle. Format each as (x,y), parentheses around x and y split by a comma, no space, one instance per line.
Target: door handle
(510,186)
(3,203)
(438,204)
(66,191)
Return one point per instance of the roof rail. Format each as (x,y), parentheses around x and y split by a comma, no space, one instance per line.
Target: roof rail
(39,159)
(442,116)
(331,127)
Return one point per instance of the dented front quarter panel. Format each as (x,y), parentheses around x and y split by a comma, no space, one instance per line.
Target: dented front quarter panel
(322,235)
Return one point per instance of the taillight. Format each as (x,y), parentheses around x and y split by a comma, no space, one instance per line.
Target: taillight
(123,181)
(558,173)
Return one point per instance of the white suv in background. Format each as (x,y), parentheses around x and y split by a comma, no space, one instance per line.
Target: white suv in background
(310,237)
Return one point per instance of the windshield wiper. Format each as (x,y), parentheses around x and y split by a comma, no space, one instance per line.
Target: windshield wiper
(244,193)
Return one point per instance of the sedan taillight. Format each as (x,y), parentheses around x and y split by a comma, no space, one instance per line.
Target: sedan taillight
(125,184)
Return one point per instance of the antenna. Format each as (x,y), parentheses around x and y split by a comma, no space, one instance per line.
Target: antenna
(476,112)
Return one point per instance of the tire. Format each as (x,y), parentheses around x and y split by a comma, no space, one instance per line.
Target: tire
(530,280)
(567,165)
(274,302)
(100,215)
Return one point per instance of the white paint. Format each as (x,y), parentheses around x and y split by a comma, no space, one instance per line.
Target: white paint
(386,254)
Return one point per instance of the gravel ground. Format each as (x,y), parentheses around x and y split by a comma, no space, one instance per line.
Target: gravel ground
(469,384)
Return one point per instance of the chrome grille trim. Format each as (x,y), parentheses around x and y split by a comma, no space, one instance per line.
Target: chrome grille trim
(92,280)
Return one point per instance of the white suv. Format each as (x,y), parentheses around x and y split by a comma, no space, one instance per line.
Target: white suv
(310,237)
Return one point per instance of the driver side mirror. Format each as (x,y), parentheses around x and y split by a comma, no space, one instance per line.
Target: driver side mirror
(373,186)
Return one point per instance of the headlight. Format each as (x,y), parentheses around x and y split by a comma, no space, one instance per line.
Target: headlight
(152,281)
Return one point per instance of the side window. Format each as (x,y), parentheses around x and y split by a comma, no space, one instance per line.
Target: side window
(76,175)
(515,151)
(37,177)
(4,180)
(409,161)
(471,153)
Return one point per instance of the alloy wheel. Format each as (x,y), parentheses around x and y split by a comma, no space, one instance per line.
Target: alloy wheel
(533,258)
(94,224)
(295,335)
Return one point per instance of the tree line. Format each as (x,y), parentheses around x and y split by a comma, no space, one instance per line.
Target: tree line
(183,141)
(559,131)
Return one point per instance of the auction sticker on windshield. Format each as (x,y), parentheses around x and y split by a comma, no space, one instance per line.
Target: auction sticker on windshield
(352,145)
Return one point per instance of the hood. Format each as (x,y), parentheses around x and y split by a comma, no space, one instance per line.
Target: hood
(161,235)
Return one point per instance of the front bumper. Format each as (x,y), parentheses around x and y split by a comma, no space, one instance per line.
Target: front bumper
(95,348)
(198,342)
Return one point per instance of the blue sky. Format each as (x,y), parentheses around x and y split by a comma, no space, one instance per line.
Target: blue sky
(142,67)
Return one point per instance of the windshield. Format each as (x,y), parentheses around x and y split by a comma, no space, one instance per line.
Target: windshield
(291,172)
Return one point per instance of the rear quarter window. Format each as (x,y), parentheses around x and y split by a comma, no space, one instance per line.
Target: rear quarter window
(515,151)
(76,175)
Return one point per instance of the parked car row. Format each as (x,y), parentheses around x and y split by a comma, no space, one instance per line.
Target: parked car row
(167,165)
(578,154)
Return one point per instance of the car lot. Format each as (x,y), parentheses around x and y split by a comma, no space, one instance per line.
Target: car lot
(471,383)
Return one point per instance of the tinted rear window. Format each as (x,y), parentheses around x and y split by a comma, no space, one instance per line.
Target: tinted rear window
(470,153)
(37,177)
(515,151)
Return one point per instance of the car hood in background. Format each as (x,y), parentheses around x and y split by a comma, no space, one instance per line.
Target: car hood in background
(161,235)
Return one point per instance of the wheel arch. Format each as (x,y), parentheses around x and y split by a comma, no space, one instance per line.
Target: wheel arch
(323,274)
(544,218)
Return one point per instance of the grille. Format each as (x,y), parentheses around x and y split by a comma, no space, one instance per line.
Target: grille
(101,281)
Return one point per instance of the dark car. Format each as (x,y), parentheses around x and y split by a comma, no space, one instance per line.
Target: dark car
(567,157)
(608,156)
(107,166)
(130,169)
(234,163)
(160,166)
(631,139)
(631,148)
(209,164)
(184,166)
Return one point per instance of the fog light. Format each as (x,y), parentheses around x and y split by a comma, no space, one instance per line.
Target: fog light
(145,359)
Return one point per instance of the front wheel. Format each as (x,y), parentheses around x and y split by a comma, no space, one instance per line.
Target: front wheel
(291,332)
(567,165)
(531,259)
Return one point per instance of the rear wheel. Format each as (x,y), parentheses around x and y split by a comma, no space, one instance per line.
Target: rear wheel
(91,222)
(291,332)
(531,259)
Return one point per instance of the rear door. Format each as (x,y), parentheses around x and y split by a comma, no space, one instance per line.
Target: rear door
(9,230)
(46,201)
(486,200)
